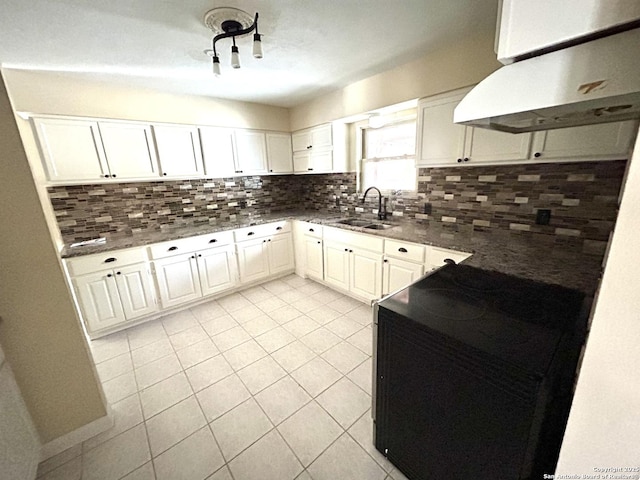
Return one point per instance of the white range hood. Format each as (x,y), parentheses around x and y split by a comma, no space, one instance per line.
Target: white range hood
(595,82)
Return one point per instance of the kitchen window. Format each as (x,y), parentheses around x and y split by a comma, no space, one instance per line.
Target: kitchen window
(389,156)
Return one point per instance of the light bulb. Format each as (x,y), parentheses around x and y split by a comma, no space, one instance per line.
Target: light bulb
(257,45)
(235,58)
(216,66)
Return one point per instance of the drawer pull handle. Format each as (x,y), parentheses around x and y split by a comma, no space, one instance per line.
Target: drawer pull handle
(171,249)
(311,230)
(449,261)
(403,250)
(213,240)
(110,259)
(278,228)
(250,233)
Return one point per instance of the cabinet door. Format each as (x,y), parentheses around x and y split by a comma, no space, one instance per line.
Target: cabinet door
(601,141)
(218,150)
(178,280)
(217,268)
(439,140)
(99,300)
(129,150)
(253,260)
(71,149)
(399,273)
(178,150)
(301,141)
(279,153)
(251,150)
(321,136)
(313,257)
(336,264)
(321,161)
(365,274)
(136,290)
(482,145)
(280,253)
(301,162)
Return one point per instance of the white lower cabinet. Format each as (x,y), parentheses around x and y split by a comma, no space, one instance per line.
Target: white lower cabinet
(112,297)
(261,257)
(354,269)
(398,274)
(313,257)
(178,279)
(187,277)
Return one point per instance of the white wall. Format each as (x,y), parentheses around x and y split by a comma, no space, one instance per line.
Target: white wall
(604,423)
(459,65)
(67,94)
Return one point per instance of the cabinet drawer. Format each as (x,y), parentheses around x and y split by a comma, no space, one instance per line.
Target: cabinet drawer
(436,256)
(191,244)
(257,231)
(355,240)
(102,261)
(312,229)
(403,250)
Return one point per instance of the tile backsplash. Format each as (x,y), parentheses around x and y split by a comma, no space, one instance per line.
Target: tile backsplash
(582,198)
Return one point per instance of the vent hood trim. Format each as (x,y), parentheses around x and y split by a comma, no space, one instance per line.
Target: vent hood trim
(595,82)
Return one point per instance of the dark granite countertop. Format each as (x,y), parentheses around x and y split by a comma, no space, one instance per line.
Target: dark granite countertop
(522,254)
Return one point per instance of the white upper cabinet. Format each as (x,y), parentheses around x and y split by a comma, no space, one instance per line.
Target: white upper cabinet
(527,27)
(312,138)
(178,150)
(129,150)
(313,149)
(71,149)
(279,152)
(218,151)
(440,142)
(590,142)
(251,152)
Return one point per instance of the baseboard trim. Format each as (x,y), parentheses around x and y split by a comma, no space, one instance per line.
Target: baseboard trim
(60,444)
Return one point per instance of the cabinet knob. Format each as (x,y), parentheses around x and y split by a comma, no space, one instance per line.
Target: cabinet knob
(466,159)
(270,170)
(346,249)
(165,174)
(171,249)
(537,154)
(114,175)
(213,240)
(350,251)
(110,259)
(402,249)
(192,256)
(269,240)
(385,260)
(459,160)
(106,176)
(109,275)
(310,169)
(199,254)
(118,273)
(264,241)
(319,242)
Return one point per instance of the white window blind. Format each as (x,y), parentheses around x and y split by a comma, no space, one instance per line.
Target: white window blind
(389,156)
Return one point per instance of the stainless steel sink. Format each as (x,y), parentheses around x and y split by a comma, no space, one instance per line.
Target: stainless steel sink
(368,224)
(378,226)
(355,222)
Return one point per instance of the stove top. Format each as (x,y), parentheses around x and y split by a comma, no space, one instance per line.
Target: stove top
(518,320)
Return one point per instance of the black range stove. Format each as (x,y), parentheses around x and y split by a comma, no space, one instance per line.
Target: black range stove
(474,374)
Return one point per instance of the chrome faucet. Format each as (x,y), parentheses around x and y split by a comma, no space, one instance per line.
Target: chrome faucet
(382,206)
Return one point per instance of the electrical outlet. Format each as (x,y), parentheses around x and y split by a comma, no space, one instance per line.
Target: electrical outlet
(543,217)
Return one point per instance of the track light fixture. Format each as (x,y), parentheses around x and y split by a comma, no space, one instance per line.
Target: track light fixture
(231,22)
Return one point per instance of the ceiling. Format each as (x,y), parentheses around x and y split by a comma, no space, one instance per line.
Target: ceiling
(310,46)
